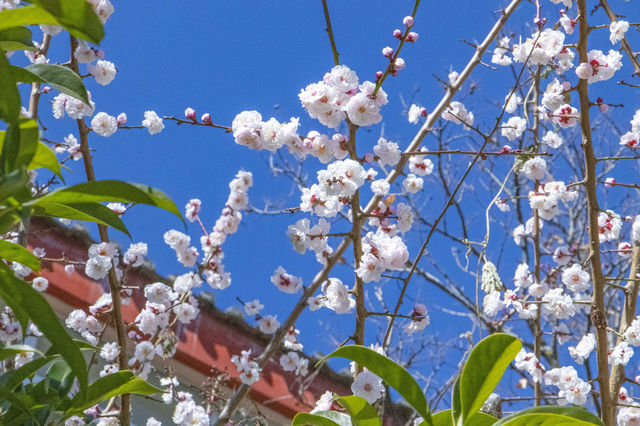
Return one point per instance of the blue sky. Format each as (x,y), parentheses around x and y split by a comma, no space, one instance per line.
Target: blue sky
(225,57)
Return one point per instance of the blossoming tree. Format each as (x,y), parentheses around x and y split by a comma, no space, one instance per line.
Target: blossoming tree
(535,154)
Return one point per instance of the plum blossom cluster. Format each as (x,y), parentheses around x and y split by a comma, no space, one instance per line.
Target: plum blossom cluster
(335,186)
(248,368)
(381,252)
(340,96)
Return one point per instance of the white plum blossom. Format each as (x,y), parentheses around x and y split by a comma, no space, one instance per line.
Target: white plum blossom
(412,184)
(581,351)
(380,187)
(152,122)
(457,113)
(557,304)
(552,139)
(540,48)
(103,71)
(388,152)
(565,116)
(513,128)
(575,278)
(337,296)
(621,354)
(40,283)
(104,124)
(512,100)
(599,67)
(415,112)
(420,165)
(285,282)
(617,31)
(268,324)
(253,308)
(535,168)
(501,52)
(368,386)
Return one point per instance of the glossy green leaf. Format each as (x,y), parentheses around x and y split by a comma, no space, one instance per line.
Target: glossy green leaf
(60,377)
(362,413)
(90,212)
(10,295)
(9,95)
(18,38)
(17,253)
(61,78)
(483,370)
(323,418)
(109,386)
(390,372)
(26,299)
(110,191)
(12,350)
(76,16)
(45,158)
(12,378)
(28,15)
(551,415)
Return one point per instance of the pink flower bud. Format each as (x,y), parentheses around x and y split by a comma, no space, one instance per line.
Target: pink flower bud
(506,149)
(122,119)
(412,37)
(99,53)
(190,114)
(45,89)
(637,380)
(206,118)
(408,21)
(368,157)
(397,34)
(387,52)
(610,182)
(379,75)
(566,86)
(603,108)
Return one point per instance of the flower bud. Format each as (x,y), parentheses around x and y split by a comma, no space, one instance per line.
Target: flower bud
(412,37)
(399,64)
(99,54)
(190,114)
(121,119)
(397,34)
(387,52)
(368,157)
(206,118)
(408,21)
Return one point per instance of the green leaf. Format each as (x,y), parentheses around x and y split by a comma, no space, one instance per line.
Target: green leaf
(26,299)
(45,158)
(445,418)
(17,253)
(551,415)
(323,418)
(19,144)
(361,412)
(15,401)
(60,377)
(110,191)
(392,374)
(456,408)
(61,78)
(90,212)
(9,95)
(18,38)
(77,16)
(28,15)
(109,386)
(12,183)
(484,369)
(12,378)
(12,350)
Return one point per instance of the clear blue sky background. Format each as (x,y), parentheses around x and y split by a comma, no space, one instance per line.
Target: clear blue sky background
(224,57)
